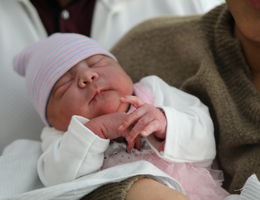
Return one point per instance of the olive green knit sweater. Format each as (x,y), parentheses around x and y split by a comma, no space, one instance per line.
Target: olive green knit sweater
(201,56)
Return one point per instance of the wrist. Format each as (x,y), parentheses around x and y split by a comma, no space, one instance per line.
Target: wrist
(97,130)
(162,135)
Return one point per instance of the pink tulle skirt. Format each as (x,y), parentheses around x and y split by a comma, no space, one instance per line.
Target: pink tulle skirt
(199,183)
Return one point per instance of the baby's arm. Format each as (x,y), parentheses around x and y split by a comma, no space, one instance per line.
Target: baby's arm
(189,131)
(78,151)
(67,156)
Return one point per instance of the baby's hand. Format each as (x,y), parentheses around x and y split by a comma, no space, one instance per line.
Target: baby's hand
(145,120)
(106,126)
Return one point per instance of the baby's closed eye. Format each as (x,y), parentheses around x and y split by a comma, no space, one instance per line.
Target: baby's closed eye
(62,85)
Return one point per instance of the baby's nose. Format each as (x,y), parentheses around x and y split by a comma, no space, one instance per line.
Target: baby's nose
(87,77)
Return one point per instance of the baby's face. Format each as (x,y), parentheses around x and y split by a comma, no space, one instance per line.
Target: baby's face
(91,88)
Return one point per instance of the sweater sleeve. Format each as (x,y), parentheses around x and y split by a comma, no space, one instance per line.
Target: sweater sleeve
(67,156)
(190,132)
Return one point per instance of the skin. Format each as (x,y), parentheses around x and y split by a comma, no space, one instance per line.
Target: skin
(153,190)
(90,89)
(247,29)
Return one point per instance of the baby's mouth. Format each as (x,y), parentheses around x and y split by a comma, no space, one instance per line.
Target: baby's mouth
(93,98)
(96,94)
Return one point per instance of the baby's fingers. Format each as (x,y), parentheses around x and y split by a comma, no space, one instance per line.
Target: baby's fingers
(144,129)
(161,146)
(130,146)
(133,100)
(132,118)
(136,143)
(150,128)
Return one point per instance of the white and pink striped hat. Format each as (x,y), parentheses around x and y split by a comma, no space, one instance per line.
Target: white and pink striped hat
(44,62)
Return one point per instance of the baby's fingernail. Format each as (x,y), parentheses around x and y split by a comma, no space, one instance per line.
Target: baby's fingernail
(121,127)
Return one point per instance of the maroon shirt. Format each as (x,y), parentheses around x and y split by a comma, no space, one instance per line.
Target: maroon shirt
(74,18)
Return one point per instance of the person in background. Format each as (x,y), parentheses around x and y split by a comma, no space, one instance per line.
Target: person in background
(216,58)
(107,20)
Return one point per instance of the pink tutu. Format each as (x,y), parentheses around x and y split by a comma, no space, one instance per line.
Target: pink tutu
(199,183)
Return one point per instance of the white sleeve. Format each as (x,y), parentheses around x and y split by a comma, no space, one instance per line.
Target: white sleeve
(67,156)
(190,132)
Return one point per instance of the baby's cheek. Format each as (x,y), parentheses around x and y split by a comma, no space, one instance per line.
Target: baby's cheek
(60,123)
(107,102)
(108,108)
